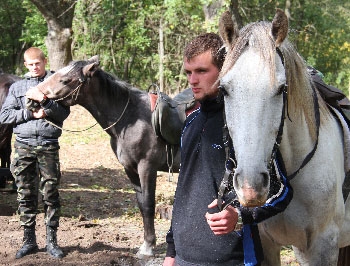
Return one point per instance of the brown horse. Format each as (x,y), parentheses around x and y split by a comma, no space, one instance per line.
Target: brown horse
(5,130)
(125,113)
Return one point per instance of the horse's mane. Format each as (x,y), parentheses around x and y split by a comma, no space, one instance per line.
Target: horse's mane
(300,92)
(112,85)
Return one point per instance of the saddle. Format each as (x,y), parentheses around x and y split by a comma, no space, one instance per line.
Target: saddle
(331,95)
(336,99)
(169,114)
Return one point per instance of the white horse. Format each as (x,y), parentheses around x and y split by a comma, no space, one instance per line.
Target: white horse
(268,91)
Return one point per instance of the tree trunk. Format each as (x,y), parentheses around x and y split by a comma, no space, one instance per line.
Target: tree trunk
(234,8)
(161,57)
(58,44)
(59,17)
(211,10)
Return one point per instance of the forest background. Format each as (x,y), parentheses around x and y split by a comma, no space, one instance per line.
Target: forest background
(141,42)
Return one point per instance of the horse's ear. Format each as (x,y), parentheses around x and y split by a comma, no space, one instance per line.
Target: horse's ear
(279,27)
(228,29)
(89,70)
(94,59)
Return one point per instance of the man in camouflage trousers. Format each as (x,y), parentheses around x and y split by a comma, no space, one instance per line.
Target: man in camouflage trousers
(36,123)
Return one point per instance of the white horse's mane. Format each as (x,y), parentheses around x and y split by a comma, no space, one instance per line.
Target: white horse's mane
(300,93)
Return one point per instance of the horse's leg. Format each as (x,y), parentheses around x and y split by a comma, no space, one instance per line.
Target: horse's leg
(323,250)
(271,250)
(2,158)
(344,236)
(145,186)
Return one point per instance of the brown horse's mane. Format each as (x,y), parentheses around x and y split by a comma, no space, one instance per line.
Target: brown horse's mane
(300,92)
(112,85)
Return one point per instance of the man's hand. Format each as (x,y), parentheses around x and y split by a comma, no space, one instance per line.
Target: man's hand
(168,261)
(222,222)
(35,94)
(39,113)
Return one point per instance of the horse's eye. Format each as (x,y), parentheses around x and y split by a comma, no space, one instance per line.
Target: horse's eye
(65,81)
(223,90)
(280,89)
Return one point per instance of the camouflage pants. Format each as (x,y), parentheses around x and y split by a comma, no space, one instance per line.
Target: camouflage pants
(37,168)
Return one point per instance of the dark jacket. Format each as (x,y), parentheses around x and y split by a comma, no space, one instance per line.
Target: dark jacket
(202,168)
(27,128)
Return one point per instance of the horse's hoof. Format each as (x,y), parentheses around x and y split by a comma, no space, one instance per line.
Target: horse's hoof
(142,256)
(145,252)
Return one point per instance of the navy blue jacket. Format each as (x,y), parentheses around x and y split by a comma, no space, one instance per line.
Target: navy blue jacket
(202,168)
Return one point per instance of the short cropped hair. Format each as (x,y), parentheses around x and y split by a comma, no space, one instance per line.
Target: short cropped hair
(34,52)
(203,43)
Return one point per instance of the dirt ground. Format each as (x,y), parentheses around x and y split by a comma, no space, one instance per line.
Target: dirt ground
(101,223)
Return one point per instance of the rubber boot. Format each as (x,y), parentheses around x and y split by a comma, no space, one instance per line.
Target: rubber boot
(51,243)
(29,242)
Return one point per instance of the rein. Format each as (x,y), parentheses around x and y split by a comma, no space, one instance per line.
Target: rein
(276,150)
(229,173)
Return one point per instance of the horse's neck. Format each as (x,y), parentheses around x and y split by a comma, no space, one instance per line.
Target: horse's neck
(107,107)
(297,142)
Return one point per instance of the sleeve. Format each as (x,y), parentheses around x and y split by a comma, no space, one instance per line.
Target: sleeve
(12,111)
(277,203)
(170,252)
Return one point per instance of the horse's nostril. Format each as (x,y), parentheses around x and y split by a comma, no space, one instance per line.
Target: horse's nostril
(236,183)
(266,179)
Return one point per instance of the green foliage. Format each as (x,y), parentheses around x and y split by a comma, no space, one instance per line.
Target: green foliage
(319,30)
(321,38)
(126,36)
(34,28)
(12,15)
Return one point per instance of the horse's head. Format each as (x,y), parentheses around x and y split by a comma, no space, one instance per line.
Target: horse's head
(253,78)
(6,81)
(65,84)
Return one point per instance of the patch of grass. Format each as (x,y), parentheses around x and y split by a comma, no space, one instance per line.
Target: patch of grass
(83,137)
(162,198)
(99,188)
(126,190)
(287,256)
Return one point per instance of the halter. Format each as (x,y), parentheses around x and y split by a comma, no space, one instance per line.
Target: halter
(77,89)
(275,154)
(280,129)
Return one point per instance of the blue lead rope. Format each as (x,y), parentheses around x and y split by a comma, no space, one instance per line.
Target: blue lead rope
(253,252)
(248,247)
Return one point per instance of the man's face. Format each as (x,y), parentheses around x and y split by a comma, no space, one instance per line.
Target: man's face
(36,66)
(202,74)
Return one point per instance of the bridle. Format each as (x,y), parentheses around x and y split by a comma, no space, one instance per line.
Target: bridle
(76,91)
(275,154)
